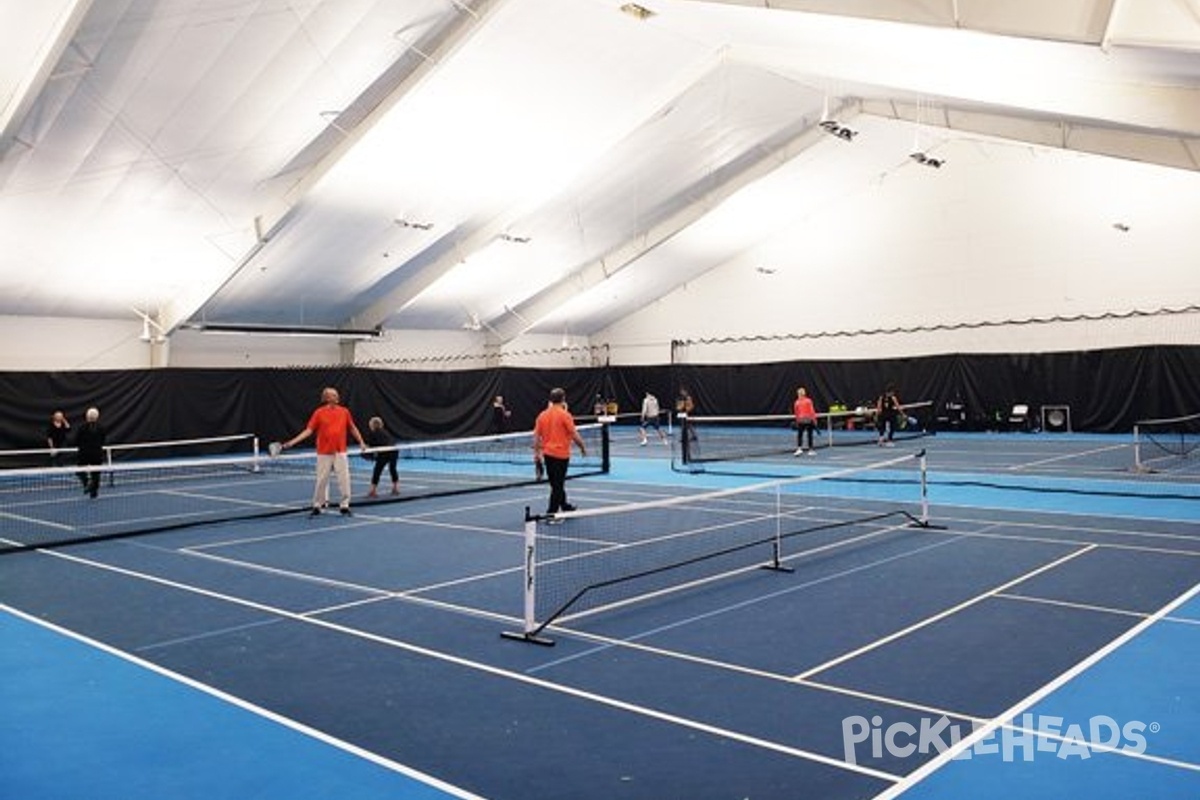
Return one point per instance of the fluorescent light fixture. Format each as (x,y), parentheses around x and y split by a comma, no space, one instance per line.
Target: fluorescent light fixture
(287,330)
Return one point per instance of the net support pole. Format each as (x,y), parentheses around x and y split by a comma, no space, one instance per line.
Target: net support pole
(924,490)
(530,628)
(685,446)
(776,563)
(1137,451)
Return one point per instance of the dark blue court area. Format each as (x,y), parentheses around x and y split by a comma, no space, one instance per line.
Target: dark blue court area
(1025,625)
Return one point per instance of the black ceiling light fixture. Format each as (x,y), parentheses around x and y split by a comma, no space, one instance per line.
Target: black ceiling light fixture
(833,127)
(636,11)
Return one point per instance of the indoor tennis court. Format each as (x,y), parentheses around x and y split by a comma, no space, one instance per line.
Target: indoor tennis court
(599,399)
(994,628)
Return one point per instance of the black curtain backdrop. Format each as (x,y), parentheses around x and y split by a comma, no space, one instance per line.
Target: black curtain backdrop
(1107,391)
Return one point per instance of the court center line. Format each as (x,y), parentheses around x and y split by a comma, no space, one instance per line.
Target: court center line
(1069,456)
(1047,601)
(603,700)
(833,662)
(928,768)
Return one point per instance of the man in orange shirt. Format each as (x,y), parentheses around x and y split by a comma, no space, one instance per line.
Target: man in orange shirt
(553,434)
(331,423)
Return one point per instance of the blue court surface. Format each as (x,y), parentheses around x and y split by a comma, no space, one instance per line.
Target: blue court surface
(1026,625)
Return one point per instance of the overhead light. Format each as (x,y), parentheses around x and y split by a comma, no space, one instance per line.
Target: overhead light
(152,332)
(287,330)
(1121,226)
(504,237)
(764,270)
(405,223)
(636,11)
(926,160)
(835,128)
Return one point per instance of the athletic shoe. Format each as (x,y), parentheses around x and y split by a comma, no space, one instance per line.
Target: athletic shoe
(345,511)
(316,511)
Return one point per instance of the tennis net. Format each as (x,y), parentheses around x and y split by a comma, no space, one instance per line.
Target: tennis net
(706,441)
(585,562)
(1167,444)
(45,507)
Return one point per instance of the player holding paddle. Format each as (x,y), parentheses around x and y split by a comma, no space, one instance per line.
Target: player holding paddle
(331,423)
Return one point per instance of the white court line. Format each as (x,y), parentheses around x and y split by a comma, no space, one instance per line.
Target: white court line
(927,769)
(610,702)
(299,727)
(833,662)
(58,526)
(1069,456)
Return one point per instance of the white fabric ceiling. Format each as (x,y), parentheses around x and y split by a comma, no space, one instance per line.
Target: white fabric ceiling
(511,165)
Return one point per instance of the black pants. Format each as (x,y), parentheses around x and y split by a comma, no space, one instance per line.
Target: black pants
(90,479)
(804,430)
(556,474)
(886,425)
(385,460)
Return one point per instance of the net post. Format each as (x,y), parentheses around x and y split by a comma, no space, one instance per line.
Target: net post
(685,445)
(777,564)
(257,456)
(530,628)
(924,490)
(1137,450)
(605,447)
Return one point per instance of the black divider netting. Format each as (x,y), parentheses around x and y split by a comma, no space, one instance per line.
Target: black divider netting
(584,562)
(46,507)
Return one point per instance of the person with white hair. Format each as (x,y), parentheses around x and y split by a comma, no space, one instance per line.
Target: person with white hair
(89,445)
(331,423)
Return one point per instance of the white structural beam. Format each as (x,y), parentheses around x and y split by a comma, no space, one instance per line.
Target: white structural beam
(752,166)
(33,37)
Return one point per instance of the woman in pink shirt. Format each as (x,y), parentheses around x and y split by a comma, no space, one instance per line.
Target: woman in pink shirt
(806,421)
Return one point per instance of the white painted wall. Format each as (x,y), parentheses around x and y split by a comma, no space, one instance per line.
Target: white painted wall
(36,344)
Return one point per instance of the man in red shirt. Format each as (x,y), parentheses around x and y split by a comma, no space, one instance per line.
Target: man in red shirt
(553,434)
(331,423)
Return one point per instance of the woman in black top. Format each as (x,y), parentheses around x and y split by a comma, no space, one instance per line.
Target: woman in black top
(379,437)
(887,410)
(56,437)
